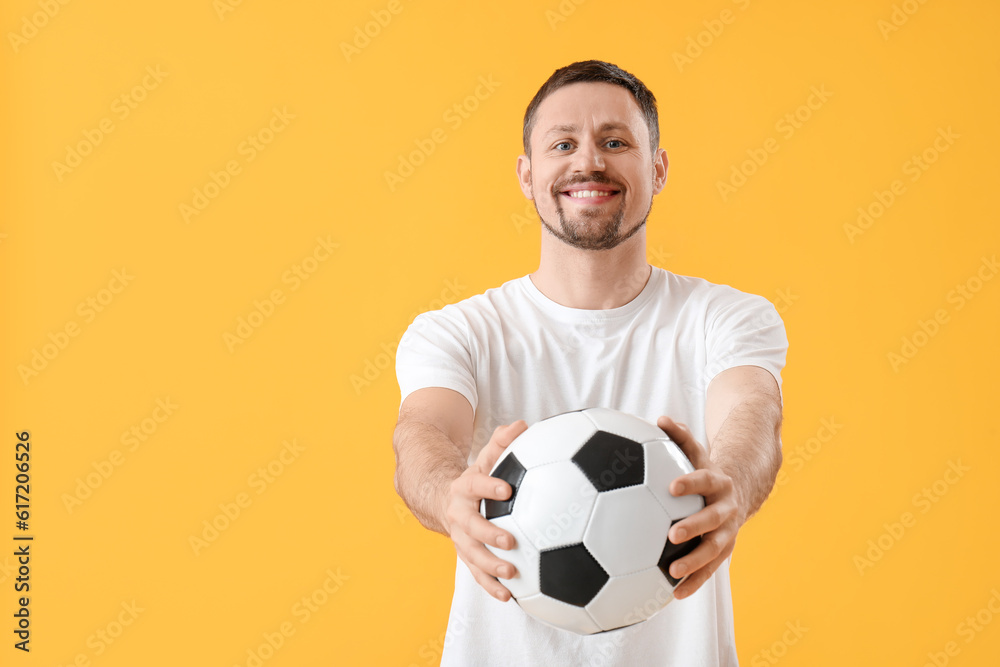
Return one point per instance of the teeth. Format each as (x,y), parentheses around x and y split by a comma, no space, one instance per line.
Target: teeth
(589,193)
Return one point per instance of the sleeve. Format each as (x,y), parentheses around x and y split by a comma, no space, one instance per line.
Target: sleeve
(435,351)
(744,330)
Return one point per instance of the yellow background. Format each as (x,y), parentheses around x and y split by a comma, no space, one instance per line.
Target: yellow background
(318,371)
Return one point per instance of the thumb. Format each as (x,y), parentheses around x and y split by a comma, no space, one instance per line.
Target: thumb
(684,439)
(502,437)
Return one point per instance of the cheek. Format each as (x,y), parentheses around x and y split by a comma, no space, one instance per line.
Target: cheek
(643,186)
(543,183)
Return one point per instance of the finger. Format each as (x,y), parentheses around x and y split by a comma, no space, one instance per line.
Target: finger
(665,422)
(693,582)
(484,531)
(474,553)
(513,430)
(709,549)
(699,577)
(474,486)
(702,522)
(500,440)
(703,481)
(489,584)
(684,439)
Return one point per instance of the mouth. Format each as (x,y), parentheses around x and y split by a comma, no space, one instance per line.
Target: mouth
(590,194)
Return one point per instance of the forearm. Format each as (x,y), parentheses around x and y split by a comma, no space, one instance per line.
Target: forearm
(427,462)
(747,447)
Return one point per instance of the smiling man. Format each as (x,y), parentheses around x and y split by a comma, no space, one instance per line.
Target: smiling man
(594,326)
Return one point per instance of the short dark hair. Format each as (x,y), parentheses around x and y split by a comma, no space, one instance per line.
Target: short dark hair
(601,72)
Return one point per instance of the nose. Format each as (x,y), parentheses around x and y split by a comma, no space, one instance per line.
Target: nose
(588,158)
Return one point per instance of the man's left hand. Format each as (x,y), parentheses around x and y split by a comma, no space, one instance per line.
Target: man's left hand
(717,523)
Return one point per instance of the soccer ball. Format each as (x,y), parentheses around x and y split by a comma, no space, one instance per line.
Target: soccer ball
(590,510)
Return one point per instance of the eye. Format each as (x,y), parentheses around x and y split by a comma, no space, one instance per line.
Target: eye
(615,143)
(559,146)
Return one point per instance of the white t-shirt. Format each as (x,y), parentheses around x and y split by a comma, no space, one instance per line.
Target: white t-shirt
(516,354)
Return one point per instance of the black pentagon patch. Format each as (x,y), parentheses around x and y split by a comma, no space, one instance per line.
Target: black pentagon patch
(511,471)
(611,462)
(571,574)
(672,552)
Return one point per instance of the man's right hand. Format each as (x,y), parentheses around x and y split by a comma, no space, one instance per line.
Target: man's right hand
(470,530)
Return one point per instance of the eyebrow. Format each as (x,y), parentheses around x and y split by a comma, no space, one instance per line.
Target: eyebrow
(569,129)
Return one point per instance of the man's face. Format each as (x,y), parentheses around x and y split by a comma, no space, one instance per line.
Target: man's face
(591,173)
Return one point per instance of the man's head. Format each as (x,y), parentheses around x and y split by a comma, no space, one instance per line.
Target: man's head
(592,160)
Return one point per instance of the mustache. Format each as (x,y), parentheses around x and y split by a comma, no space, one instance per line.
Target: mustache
(596,177)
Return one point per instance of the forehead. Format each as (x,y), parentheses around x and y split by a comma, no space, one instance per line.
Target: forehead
(588,106)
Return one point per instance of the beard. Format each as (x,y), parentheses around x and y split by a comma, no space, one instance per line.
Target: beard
(588,231)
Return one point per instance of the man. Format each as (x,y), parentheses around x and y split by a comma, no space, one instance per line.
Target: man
(594,326)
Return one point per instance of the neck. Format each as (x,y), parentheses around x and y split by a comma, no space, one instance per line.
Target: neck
(592,279)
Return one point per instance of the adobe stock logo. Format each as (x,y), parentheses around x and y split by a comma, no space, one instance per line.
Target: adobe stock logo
(303,610)
(37,21)
(899,17)
(430,652)
(231,510)
(787,126)
(375,366)
(797,459)
(767,316)
(914,167)
(363,35)
(455,116)
(562,12)
(696,44)
(105,636)
(223,7)
(295,276)
(131,439)
(779,648)
(922,501)
(968,629)
(959,297)
(249,149)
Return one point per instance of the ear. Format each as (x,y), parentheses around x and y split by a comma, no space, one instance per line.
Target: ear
(524,175)
(659,170)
